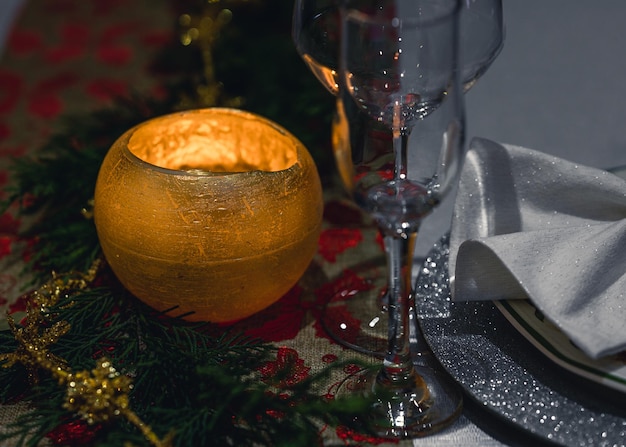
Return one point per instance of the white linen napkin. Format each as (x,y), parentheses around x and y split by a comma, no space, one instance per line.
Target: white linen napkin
(531,225)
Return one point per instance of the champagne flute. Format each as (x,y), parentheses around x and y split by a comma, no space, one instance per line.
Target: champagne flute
(399,64)
(362,322)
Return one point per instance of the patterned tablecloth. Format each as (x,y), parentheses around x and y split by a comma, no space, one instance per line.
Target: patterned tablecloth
(72,57)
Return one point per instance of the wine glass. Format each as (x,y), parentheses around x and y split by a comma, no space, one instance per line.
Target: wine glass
(399,64)
(481,40)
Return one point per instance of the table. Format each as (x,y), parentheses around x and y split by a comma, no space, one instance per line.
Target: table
(553,88)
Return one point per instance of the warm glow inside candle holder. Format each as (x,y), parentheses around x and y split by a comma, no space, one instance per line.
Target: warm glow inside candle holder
(213,211)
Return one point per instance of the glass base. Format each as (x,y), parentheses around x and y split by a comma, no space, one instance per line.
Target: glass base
(355,315)
(430,403)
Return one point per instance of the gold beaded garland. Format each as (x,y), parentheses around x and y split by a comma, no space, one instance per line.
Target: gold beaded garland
(96,396)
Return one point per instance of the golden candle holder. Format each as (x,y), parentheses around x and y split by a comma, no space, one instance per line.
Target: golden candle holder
(213,211)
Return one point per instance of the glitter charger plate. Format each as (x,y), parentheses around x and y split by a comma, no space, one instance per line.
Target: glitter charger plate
(498,364)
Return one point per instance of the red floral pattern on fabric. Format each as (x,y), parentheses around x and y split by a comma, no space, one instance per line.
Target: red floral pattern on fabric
(279,322)
(110,6)
(9,224)
(334,241)
(10,87)
(340,315)
(23,42)
(106,89)
(5,131)
(60,81)
(114,55)
(63,47)
(61,7)
(74,38)
(156,39)
(75,33)
(4,178)
(346,285)
(74,433)
(329,358)
(19,305)
(380,240)
(385,173)
(12,151)
(5,246)
(45,106)
(349,437)
(352,368)
(44,100)
(287,360)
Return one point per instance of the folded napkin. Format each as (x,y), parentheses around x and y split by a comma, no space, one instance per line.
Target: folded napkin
(530,225)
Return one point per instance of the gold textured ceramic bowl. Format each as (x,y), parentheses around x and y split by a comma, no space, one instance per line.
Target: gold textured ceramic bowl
(216,211)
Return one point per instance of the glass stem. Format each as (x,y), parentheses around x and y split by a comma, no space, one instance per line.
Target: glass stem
(399,243)
(401,141)
(398,366)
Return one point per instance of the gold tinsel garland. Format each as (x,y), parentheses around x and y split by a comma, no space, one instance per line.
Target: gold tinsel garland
(97,395)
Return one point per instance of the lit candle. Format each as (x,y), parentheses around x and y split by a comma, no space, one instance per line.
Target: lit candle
(213,211)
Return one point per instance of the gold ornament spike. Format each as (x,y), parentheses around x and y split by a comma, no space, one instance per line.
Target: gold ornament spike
(36,335)
(203,30)
(97,395)
(101,394)
(147,431)
(32,350)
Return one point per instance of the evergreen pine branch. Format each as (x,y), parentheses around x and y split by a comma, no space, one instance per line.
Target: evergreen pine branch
(207,389)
